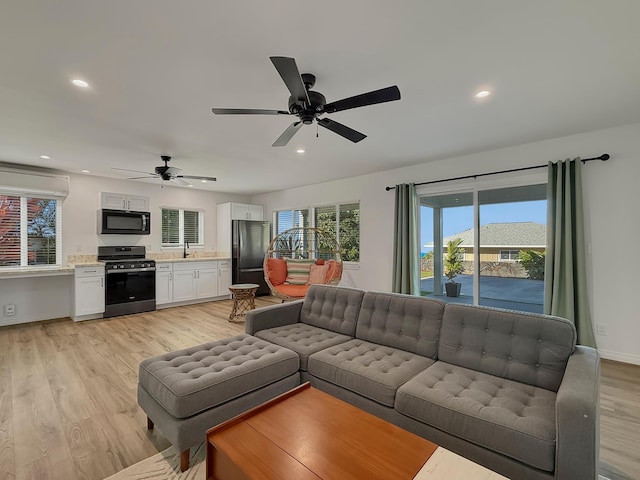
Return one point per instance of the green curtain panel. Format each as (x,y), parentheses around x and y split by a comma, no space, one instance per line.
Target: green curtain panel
(565,279)
(406,272)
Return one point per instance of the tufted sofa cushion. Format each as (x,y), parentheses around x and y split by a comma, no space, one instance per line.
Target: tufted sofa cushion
(509,417)
(401,321)
(189,381)
(332,308)
(303,339)
(525,347)
(371,370)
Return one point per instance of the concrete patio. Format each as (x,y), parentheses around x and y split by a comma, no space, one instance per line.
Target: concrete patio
(503,292)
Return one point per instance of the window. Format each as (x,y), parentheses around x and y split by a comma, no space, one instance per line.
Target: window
(342,220)
(29,231)
(287,219)
(179,225)
(495,222)
(508,255)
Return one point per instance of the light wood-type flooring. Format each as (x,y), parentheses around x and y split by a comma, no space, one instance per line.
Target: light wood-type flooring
(68,406)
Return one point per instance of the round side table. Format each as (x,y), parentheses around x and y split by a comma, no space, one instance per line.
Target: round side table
(244,295)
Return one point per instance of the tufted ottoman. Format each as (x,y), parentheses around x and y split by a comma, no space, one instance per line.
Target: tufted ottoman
(186,392)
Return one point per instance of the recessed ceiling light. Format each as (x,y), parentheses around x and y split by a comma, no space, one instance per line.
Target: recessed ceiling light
(45,157)
(190,185)
(80,83)
(483,93)
(300,150)
(85,171)
(203,181)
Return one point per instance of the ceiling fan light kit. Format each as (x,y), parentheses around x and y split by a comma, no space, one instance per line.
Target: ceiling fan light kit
(309,105)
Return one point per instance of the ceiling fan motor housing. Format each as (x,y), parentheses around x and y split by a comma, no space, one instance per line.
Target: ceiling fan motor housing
(316,107)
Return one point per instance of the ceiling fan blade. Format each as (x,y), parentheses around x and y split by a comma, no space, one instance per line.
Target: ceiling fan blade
(288,70)
(343,130)
(247,111)
(388,94)
(127,170)
(287,134)
(138,178)
(193,177)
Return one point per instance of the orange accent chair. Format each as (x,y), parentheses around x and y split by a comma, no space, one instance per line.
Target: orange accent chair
(299,257)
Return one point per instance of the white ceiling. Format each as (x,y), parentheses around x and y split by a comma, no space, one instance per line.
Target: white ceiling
(156,67)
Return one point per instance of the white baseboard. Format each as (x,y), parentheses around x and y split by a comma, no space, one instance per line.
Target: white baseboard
(620,357)
(35,318)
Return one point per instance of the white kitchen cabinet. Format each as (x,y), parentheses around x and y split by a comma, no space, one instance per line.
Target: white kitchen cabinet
(164,283)
(224,277)
(121,201)
(88,292)
(241,211)
(194,280)
(234,211)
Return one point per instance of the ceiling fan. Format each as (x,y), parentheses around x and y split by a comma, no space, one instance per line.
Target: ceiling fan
(167,173)
(308,105)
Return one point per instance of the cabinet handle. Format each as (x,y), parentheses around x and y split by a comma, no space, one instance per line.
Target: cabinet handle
(198,273)
(102,282)
(170,276)
(90,271)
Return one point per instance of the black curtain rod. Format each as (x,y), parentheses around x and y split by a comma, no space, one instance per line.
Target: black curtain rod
(604,157)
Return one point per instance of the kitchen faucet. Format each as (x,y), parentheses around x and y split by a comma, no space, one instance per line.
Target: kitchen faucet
(184,253)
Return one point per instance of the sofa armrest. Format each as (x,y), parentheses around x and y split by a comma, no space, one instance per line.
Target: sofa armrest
(272,316)
(578,417)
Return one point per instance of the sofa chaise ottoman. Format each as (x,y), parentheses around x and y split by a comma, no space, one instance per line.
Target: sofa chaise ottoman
(186,392)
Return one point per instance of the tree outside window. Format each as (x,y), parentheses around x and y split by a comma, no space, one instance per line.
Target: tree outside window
(40,217)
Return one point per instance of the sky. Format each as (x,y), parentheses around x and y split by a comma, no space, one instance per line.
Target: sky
(458,219)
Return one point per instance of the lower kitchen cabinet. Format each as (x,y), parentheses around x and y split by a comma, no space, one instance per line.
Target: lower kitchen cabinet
(195,281)
(224,277)
(88,292)
(164,283)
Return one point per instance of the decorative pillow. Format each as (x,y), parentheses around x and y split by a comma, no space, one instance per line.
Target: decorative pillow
(334,272)
(276,271)
(320,261)
(318,274)
(298,270)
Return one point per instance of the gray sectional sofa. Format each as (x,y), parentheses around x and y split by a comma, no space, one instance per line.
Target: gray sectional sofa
(508,390)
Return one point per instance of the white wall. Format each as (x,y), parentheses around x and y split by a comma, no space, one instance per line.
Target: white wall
(612,225)
(79,214)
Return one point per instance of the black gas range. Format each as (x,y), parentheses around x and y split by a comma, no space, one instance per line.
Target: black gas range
(130,280)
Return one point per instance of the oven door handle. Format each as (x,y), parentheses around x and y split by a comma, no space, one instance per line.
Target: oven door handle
(131,270)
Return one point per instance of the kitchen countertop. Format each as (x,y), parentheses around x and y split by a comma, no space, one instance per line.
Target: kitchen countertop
(190,259)
(25,272)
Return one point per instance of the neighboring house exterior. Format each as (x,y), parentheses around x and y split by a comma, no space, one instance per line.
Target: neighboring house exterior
(501,242)
(499,247)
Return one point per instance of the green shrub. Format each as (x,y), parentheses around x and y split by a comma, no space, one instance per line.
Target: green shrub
(533,263)
(453,259)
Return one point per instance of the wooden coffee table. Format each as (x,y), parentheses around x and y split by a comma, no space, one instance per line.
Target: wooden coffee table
(306,434)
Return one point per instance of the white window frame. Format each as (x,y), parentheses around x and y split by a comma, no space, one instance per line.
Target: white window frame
(512,258)
(312,220)
(24,235)
(180,243)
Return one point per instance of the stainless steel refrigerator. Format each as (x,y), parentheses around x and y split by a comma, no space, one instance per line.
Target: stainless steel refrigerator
(249,242)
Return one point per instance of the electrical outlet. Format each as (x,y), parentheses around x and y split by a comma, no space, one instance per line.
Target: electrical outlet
(9,310)
(601,329)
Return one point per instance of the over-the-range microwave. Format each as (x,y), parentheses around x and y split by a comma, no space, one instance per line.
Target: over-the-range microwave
(124,222)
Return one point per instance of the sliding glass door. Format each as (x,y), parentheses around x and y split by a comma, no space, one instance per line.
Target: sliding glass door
(485,246)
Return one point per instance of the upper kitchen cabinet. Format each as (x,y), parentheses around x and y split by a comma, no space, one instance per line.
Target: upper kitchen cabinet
(120,201)
(242,211)
(234,211)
